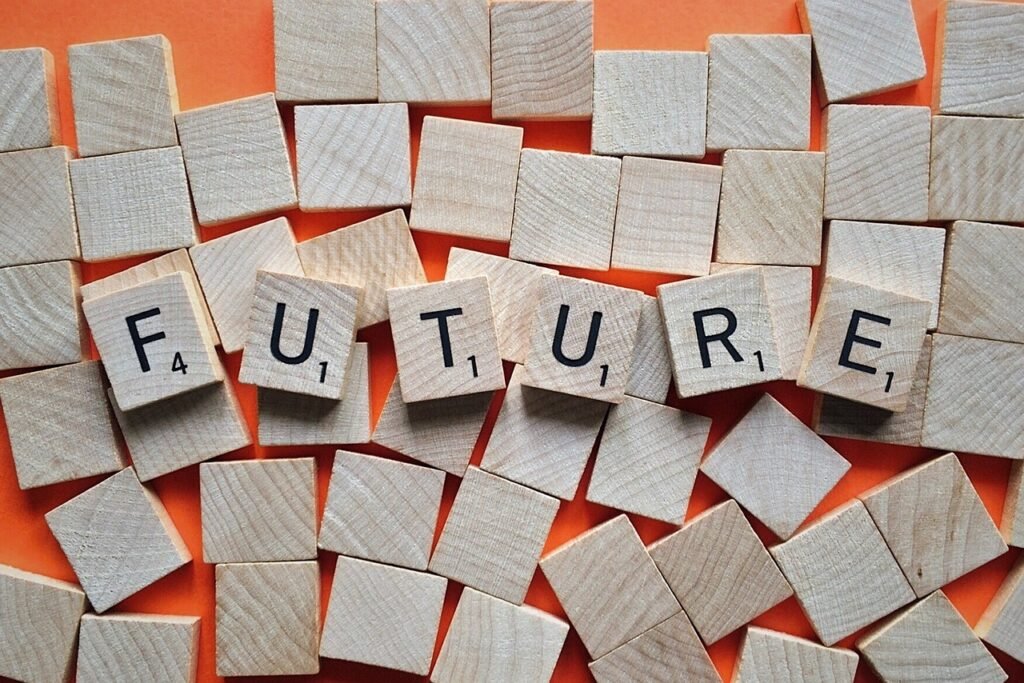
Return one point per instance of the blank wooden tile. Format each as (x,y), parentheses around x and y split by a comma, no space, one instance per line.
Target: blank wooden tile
(651,373)
(132,204)
(542,59)
(268,618)
(381,510)
(759,92)
(28,98)
(60,424)
(776,657)
(770,211)
(1013,510)
(37,223)
(376,254)
(445,341)
(650,103)
(493,640)
(648,458)
(862,48)
(608,586)
(842,572)
(876,162)
(236,159)
(1002,624)
(118,538)
(40,318)
(494,535)
(383,616)
(665,220)
(38,625)
(466,178)
(670,651)
(576,192)
(138,647)
(124,95)
(258,510)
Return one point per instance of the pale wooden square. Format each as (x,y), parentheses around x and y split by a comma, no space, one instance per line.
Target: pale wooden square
(776,657)
(37,223)
(40,317)
(651,373)
(1013,510)
(28,99)
(670,651)
(138,647)
(1002,624)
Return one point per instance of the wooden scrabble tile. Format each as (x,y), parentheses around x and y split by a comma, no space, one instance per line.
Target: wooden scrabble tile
(864,344)
(665,221)
(445,341)
(493,640)
(381,510)
(974,33)
(650,103)
(38,220)
(543,439)
(862,48)
(236,159)
(542,59)
(383,616)
(775,657)
(720,332)
(132,204)
(494,535)
(376,254)
(651,373)
(771,207)
(974,397)
(124,95)
(608,586)
(268,618)
(325,52)
(466,177)
(929,642)
(876,162)
(38,625)
(301,334)
(842,572)
(583,337)
(118,538)
(1013,510)
(152,341)
(28,99)
(648,458)
(258,510)
(973,169)
(759,92)
(934,523)
(60,425)
(353,156)
(577,192)
(775,466)
(670,651)
(138,647)
(40,318)
(1002,624)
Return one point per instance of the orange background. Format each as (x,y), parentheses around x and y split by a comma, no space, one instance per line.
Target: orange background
(223,49)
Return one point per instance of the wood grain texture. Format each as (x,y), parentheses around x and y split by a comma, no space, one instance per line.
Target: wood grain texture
(842,573)
(876,162)
(383,616)
(771,207)
(434,51)
(268,618)
(132,204)
(651,373)
(648,458)
(494,535)
(1002,624)
(124,95)
(38,625)
(236,159)
(258,510)
(609,586)
(577,192)
(353,156)
(542,59)
(862,48)
(118,538)
(28,98)
(381,510)
(375,254)
(466,177)
(122,648)
(60,425)
(493,640)
(774,657)
(671,651)
(1013,509)
(666,214)
(543,439)
(38,221)
(40,316)
(775,466)
(759,92)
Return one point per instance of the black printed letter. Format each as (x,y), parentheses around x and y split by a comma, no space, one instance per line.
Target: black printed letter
(139,342)
(442,325)
(852,338)
(703,338)
(307,345)
(588,352)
